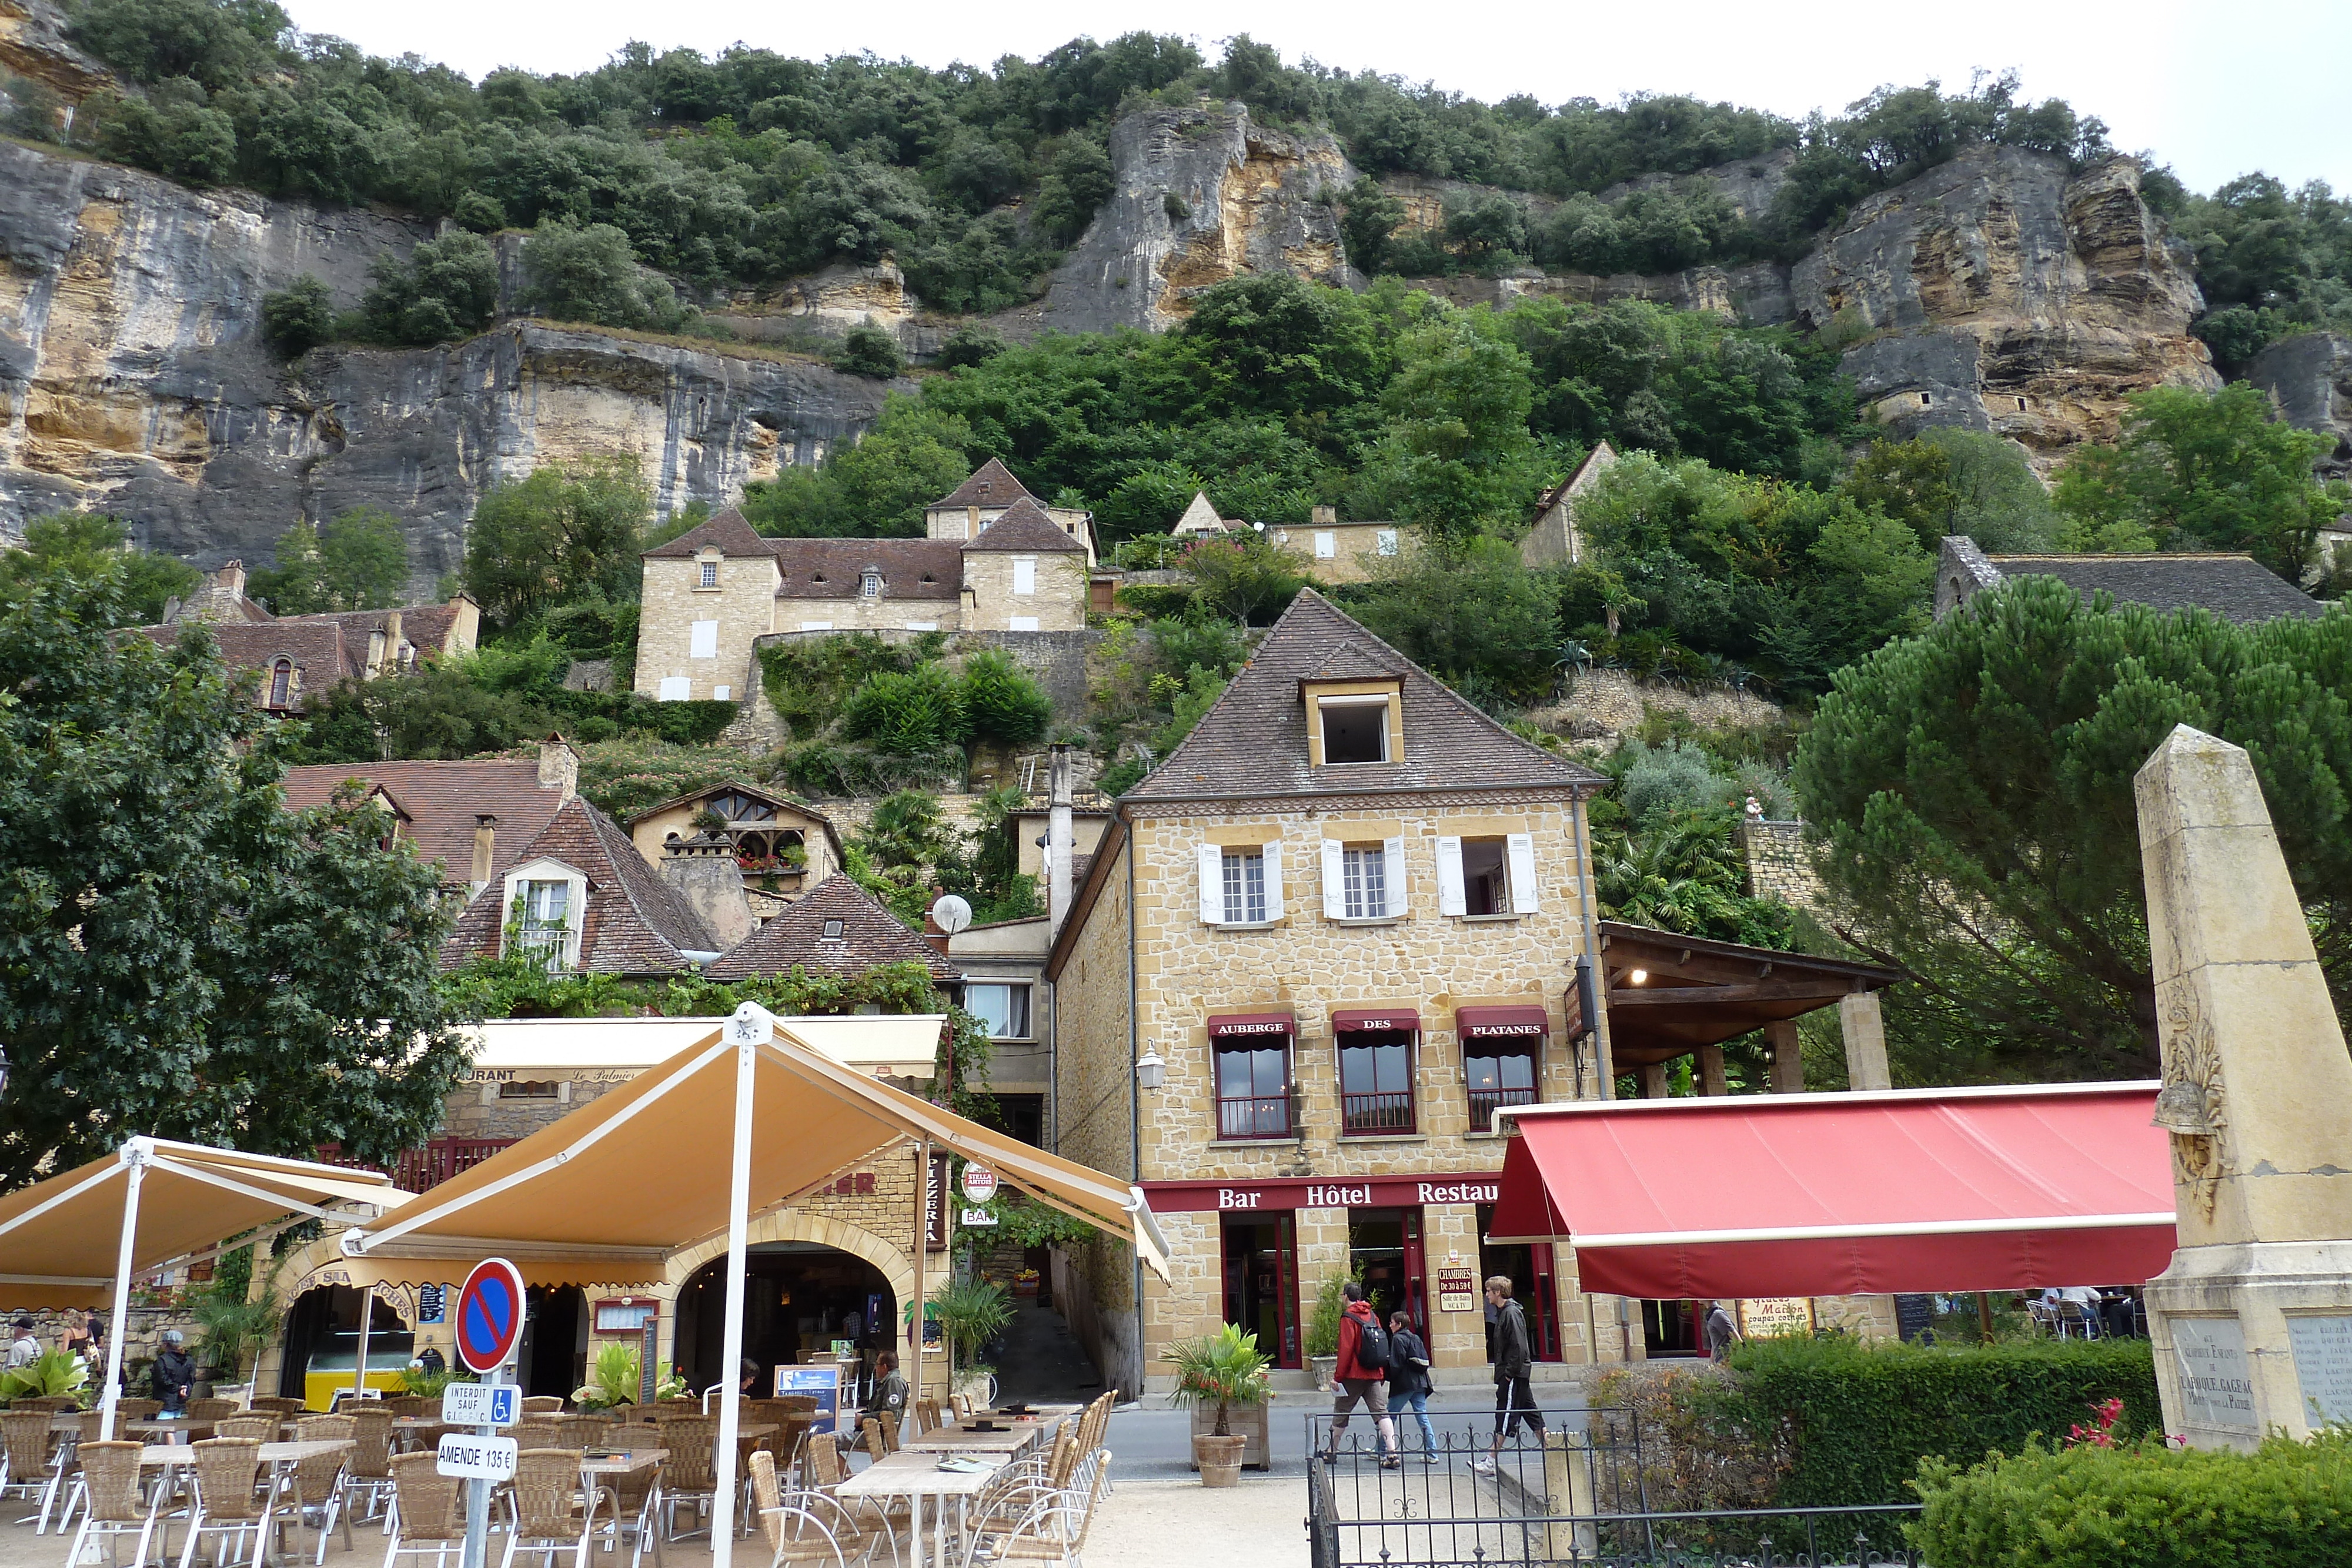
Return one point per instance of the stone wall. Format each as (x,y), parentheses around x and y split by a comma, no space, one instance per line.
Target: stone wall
(1778,866)
(744,604)
(1091,1105)
(1057,602)
(1609,705)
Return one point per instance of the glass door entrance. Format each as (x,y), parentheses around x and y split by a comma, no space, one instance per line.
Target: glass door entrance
(1261,1267)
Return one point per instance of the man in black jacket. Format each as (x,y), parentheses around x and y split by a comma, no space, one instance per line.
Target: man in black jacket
(1409,1381)
(1515,1358)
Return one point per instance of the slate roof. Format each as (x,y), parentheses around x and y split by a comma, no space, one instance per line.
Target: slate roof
(870,937)
(1253,742)
(635,923)
(441,799)
(991,485)
(318,649)
(831,569)
(2234,587)
(726,529)
(425,627)
(1025,528)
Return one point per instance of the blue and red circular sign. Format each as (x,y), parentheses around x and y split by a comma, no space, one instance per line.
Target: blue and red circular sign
(489,1315)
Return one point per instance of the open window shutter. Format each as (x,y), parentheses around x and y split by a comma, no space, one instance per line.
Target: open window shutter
(1335,880)
(1521,848)
(1451,899)
(1213,885)
(1392,870)
(1273,881)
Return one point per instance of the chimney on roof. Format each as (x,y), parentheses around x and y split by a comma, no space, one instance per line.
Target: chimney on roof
(559,766)
(486,841)
(230,577)
(704,872)
(937,934)
(375,653)
(1061,841)
(171,610)
(392,640)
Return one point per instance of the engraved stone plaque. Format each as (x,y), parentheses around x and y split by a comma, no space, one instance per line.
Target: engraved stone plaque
(2217,1385)
(2322,1343)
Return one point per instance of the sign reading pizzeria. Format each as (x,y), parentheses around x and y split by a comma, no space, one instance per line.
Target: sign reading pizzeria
(1284,1193)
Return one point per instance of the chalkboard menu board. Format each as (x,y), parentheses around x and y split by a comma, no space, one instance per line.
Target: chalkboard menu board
(1913,1315)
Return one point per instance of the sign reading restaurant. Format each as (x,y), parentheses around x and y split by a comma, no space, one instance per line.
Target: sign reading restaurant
(1317,1192)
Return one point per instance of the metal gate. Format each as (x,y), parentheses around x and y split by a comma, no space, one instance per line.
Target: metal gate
(1577,1493)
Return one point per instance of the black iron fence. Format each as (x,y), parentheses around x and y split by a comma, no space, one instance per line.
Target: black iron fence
(1579,1491)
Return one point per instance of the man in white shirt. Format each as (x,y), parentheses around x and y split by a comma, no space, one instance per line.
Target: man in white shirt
(25,1349)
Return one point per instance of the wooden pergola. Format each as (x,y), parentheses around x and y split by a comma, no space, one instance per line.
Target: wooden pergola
(1670,996)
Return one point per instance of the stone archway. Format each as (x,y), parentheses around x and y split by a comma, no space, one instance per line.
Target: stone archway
(694,1274)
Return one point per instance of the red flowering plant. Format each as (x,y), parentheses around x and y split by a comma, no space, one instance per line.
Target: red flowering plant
(2101,1432)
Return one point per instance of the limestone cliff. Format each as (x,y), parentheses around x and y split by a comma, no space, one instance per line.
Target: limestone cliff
(133,378)
(2001,293)
(1202,195)
(2309,378)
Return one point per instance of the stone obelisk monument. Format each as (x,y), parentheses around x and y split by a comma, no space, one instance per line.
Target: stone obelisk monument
(2252,1320)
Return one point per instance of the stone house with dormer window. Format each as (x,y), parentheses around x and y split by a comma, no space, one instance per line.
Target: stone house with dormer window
(1341,922)
(996,561)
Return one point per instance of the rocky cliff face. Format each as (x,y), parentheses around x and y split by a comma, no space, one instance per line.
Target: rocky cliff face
(2309,378)
(1999,293)
(1202,195)
(133,378)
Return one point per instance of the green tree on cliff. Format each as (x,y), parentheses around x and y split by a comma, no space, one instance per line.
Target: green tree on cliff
(1972,791)
(179,954)
(568,529)
(88,546)
(358,562)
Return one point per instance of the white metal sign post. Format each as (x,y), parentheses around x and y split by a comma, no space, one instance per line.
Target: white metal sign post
(491,1313)
(483,1456)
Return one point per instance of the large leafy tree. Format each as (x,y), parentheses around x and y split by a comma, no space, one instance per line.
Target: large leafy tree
(2202,472)
(180,955)
(1973,791)
(90,544)
(358,562)
(550,539)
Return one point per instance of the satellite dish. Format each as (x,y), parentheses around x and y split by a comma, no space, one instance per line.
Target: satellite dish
(951,914)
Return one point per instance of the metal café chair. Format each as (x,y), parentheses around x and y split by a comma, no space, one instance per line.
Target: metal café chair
(114,1507)
(428,1512)
(692,1477)
(794,1531)
(367,1472)
(553,1509)
(225,1504)
(25,1453)
(314,1494)
(637,1494)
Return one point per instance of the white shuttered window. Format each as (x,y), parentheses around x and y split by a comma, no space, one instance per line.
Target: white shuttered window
(1451,899)
(1522,849)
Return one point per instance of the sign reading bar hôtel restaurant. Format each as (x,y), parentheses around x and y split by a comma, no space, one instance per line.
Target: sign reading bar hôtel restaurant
(1319,1192)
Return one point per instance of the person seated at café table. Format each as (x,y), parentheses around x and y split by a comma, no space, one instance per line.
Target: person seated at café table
(889,1389)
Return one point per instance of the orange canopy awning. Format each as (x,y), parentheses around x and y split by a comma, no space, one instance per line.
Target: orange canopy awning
(1817,1195)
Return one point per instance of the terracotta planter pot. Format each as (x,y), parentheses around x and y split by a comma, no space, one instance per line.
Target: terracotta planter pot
(1220,1459)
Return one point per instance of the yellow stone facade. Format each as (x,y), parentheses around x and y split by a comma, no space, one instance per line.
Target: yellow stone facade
(743,604)
(994,598)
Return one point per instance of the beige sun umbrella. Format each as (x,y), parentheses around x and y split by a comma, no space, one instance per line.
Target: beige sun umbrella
(749,1118)
(76,1239)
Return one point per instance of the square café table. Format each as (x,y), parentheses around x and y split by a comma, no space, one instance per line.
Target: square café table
(915,1477)
(1009,1441)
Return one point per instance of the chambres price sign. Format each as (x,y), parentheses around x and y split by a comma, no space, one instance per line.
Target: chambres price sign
(1768,1317)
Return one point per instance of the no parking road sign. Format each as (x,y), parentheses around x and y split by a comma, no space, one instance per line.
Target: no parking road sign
(489,1315)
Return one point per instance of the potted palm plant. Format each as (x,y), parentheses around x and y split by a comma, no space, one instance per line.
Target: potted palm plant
(971,1312)
(1217,1371)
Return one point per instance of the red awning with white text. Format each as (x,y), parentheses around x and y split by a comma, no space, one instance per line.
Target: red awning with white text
(1524,1021)
(1369,1021)
(1223,1026)
(1820,1195)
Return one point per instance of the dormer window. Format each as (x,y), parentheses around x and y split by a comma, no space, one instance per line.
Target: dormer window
(546,908)
(710,574)
(869,586)
(1355,729)
(281,682)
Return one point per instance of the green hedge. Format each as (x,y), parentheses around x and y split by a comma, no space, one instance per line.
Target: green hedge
(2287,1506)
(1856,1420)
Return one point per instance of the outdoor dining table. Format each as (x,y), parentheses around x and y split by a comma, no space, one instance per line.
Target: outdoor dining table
(915,1477)
(623,1462)
(180,1430)
(1009,1440)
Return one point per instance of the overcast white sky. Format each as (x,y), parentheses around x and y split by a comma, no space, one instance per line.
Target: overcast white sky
(2213,90)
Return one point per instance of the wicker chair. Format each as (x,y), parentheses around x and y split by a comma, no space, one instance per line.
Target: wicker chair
(282,1406)
(137,1410)
(1055,1531)
(691,1479)
(315,1493)
(52,1402)
(581,1430)
(25,1452)
(552,1511)
(543,1405)
(65,1487)
(428,1512)
(638,1495)
(927,1416)
(412,1405)
(795,1532)
(1016,1489)
(367,1472)
(826,1469)
(876,1441)
(112,1507)
(536,1432)
(225,1504)
(209,1409)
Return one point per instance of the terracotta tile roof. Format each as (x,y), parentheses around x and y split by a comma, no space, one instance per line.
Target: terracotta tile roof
(910,568)
(636,923)
(870,937)
(1025,528)
(441,799)
(726,529)
(991,485)
(2234,587)
(425,627)
(318,649)
(1252,743)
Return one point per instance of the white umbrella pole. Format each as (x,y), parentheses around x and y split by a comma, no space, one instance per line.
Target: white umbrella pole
(730,1403)
(923,1249)
(359,1362)
(135,1159)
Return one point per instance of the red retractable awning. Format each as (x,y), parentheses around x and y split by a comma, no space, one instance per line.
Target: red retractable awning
(1514,1021)
(1223,1024)
(1823,1194)
(1358,1020)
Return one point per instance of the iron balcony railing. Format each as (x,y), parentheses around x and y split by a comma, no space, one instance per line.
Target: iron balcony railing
(1362,1113)
(419,1169)
(1254,1116)
(1484,1103)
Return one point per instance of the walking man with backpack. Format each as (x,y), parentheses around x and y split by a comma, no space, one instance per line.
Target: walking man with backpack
(1362,1374)
(1514,1359)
